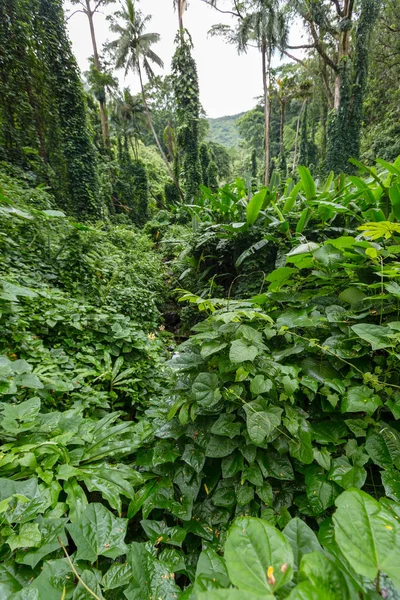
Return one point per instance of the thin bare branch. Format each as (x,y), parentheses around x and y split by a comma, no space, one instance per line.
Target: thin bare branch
(225,12)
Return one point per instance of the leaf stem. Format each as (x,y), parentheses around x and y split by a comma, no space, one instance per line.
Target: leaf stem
(76,572)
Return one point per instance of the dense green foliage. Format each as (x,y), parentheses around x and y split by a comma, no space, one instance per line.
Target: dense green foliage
(276,409)
(199,382)
(223,130)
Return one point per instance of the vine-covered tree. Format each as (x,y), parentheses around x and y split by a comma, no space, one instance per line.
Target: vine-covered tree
(187,96)
(340,33)
(42,105)
(98,72)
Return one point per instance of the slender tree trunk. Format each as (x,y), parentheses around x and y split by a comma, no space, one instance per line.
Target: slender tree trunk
(266,67)
(343,51)
(149,119)
(296,144)
(180,14)
(282,126)
(102,102)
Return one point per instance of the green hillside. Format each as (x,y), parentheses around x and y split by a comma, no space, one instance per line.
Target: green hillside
(223,130)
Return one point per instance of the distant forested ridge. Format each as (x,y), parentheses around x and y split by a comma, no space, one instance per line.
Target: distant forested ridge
(223,130)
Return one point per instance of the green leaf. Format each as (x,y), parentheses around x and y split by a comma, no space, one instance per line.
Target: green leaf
(232,464)
(324,580)
(76,499)
(241,352)
(219,446)
(394,194)
(150,577)
(212,566)
(306,248)
(92,582)
(194,456)
(376,335)
(50,531)
(347,475)
(391,483)
(205,389)
(368,535)
(302,540)
(378,450)
(260,385)
(158,532)
(328,257)
(98,533)
(254,206)
(308,182)
(260,423)
(12,579)
(29,536)
(361,399)
(54,577)
(258,557)
(226,425)
(118,575)
(321,492)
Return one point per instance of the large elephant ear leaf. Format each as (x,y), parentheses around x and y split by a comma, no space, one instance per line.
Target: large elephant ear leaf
(258,557)
(368,535)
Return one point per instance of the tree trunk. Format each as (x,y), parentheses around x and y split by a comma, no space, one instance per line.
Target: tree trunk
(343,51)
(180,14)
(165,159)
(266,66)
(103,112)
(282,126)
(296,144)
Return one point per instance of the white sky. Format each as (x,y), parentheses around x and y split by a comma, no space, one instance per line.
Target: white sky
(229,83)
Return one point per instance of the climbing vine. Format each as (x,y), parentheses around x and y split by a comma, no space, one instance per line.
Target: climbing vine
(186,89)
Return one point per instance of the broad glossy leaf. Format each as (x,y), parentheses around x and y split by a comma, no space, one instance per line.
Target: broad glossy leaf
(368,535)
(213,566)
(260,423)
(158,532)
(55,578)
(205,389)
(226,425)
(118,575)
(361,399)
(391,483)
(321,492)
(308,182)
(325,577)
(150,577)
(76,499)
(254,206)
(98,533)
(232,464)
(241,352)
(28,536)
(92,582)
(258,557)
(378,450)
(346,475)
(194,456)
(220,446)
(302,540)
(376,335)
(50,530)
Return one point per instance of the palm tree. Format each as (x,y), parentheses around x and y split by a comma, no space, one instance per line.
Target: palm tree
(267,27)
(128,119)
(133,52)
(90,11)
(180,6)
